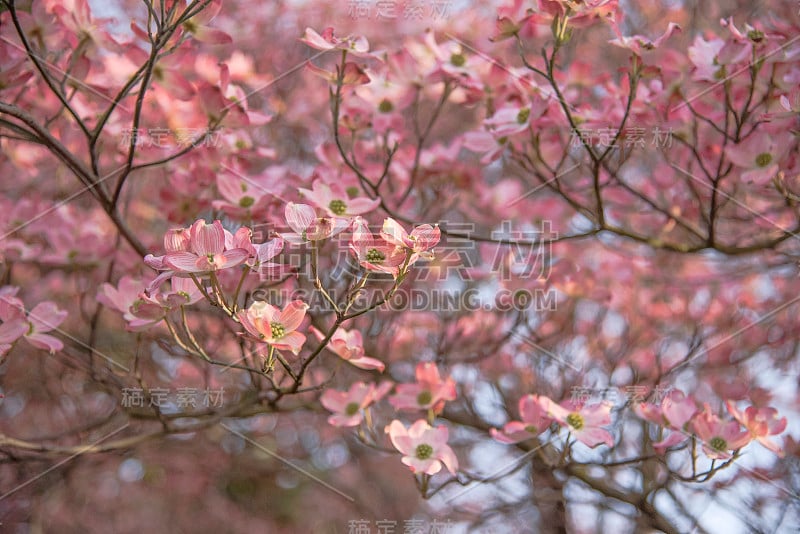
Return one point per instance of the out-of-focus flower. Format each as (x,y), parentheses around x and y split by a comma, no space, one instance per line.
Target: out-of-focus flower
(719,437)
(348,406)
(761,423)
(584,422)
(349,346)
(430,392)
(534,421)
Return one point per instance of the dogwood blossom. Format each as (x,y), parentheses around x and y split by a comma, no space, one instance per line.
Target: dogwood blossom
(424,447)
(269,324)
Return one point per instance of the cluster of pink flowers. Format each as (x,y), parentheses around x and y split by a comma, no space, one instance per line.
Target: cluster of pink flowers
(680,416)
(677,414)
(584,422)
(424,447)
(32,325)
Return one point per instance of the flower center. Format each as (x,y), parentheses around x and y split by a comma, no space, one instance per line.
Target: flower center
(338,207)
(718,444)
(246,201)
(523,115)
(375,256)
(575,420)
(277,330)
(763,159)
(458,60)
(531,429)
(351,409)
(424,398)
(424,451)
(755,35)
(385,106)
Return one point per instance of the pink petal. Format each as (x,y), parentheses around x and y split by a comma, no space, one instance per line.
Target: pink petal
(357,206)
(299,216)
(367,363)
(46,342)
(292,315)
(292,341)
(208,238)
(46,316)
(184,262)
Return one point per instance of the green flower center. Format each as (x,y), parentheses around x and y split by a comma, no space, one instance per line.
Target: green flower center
(352,191)
(338,207)
(424,398)
(763,159)
(575,420)
(424,451)
(210,258)
(351,409)
(531,429)
(385,106)
(246,202)
(523,115)
(458,60)
(718,444)
(375,256)
(185,295)
(277,330)
(755,35)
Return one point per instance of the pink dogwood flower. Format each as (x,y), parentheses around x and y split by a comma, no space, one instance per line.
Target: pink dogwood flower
(585,423)
(45,317)
(306,226)
(373,252)
(424,448)
(336,202)
(206,251)
(348,406)
(674,412)
(358,46)
(269,324)
(430,392)
(719,437)
(534,421)
(418,242)
(349,346)
(758,157)
(760,423)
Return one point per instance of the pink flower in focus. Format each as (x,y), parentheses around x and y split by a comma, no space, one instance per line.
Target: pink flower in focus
(420,241)
(206,251)
(760,423)
(349,346)
(375,253)
(348,406)
(269,324)
(424,448)
(534,421)
(583,422)
(429,393)
(719,437)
